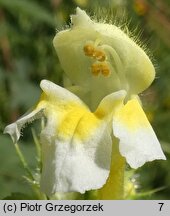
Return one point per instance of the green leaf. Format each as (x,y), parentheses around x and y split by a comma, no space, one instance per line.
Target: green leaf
(165,146)
(33,10)
(147,194)
(11,171)
(19,196)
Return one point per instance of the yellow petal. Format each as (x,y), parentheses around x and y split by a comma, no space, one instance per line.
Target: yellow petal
(138,142)
(77,144)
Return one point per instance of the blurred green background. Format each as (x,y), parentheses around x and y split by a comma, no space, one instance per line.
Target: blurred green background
(27,28)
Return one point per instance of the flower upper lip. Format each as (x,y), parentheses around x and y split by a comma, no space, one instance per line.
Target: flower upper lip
(126,65)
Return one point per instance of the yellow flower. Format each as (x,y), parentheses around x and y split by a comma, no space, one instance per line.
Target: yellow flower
(77,143)
(99,58)
(85,147)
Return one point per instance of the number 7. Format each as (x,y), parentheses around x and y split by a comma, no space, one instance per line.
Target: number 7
(161,205)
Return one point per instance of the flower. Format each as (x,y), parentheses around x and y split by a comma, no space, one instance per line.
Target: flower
(85,141)
(94,54)
(77,143)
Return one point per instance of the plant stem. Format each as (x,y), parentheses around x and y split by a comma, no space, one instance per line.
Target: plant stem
(38,147)
(23,161)
(31,178)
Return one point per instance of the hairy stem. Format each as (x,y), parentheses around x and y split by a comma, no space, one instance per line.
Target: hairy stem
(23,161)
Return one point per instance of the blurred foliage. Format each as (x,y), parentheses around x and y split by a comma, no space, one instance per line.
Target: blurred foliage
(27,28)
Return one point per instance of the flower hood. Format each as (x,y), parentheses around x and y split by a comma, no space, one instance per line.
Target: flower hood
(96,54)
